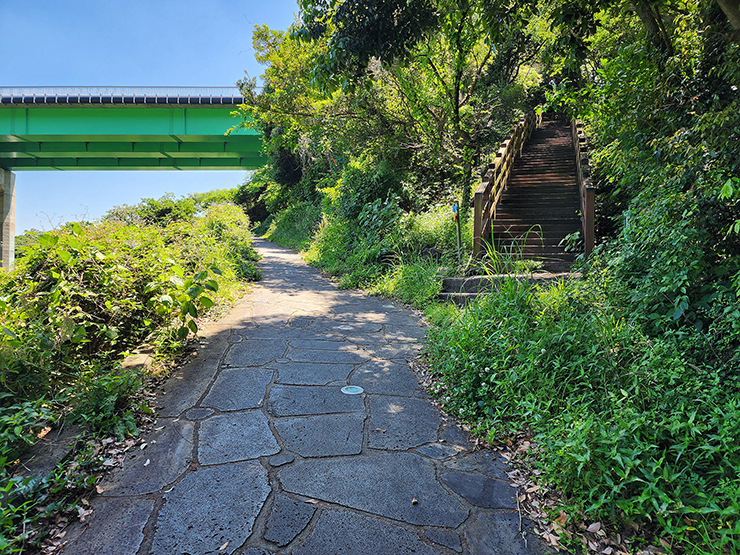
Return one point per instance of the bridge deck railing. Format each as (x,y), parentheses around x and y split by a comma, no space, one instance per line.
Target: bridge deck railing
(120,95)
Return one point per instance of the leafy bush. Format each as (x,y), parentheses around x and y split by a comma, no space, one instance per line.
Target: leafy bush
(629,426)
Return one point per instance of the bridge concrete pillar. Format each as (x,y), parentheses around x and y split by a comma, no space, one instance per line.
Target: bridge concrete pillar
(7,211)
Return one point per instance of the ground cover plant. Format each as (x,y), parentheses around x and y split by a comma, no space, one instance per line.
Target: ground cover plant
(77,301)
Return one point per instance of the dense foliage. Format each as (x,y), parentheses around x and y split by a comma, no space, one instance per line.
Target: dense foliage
(81,297)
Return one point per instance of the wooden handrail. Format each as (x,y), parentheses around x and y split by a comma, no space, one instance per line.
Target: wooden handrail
(585,185)
(497,177)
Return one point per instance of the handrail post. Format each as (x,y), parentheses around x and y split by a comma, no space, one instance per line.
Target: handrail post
(477,221)
(585,188)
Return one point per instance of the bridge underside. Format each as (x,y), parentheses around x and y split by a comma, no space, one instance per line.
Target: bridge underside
(124,138)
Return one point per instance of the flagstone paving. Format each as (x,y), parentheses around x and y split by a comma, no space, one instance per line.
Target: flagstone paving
(257,450)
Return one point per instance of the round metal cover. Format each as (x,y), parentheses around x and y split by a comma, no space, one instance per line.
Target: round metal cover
(352,390)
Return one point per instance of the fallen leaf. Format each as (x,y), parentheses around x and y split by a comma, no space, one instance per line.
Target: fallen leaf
(608,551)
(143,446)
(562,519)
(665,544)
(223,547)
(414,501)
(595,527)
(312,501)
(99,489)
(147,462)
(593,546)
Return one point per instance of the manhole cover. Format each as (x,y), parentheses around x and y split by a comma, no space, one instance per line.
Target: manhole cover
(352,390)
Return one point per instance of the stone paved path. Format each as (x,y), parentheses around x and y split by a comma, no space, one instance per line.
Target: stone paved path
(257,450)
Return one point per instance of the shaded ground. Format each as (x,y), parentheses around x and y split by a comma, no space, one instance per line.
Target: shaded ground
(257,450)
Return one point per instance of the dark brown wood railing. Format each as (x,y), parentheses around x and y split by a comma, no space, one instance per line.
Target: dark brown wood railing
(494,182)
(585,185)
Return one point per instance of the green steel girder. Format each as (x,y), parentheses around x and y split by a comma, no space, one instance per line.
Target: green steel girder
(125,137)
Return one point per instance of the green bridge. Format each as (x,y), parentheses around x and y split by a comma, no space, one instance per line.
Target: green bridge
(117,128)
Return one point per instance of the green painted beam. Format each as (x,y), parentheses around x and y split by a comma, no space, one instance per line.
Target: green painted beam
(126,137)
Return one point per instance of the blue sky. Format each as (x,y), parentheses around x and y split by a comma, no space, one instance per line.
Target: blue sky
(132,43)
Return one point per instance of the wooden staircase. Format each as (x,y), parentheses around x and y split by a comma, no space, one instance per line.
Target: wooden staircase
(541,203)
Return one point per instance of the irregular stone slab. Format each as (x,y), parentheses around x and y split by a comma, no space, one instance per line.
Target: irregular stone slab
(325,435)
(322,345)
(382,484)
(448,538)
(183,390)
(481,491)
(281,333)
(287,519)
(47,453)
(485,462)
(252,352)
(198,413)
(393,350)
(456,436)
(327,357)
(169,452)
(210,507)
(280,460)
(290,400)
(347,532)
(301,321)
(400,423)
(405,333)
(116,526)
(498,534)
(386,378)
(349,328)
(311,373)
(238,389)
(235,338)
(212,346)
(235,437)
(437,451)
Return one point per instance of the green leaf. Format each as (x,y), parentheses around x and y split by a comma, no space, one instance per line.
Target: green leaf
(189,308)
(211,285)
(76,228)
(194,292)
(182,332)
(729,188)
(166,300)
(179,272)
(200,276)
(48,240)
(100,256)
(177,281)
(193,326)
(65,256)
(74,243)
(12,334)
(206,302)
(216,270)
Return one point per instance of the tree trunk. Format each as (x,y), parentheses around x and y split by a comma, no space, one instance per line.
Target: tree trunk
(732,11)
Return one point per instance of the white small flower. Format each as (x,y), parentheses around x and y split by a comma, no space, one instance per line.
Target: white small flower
(543,351)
